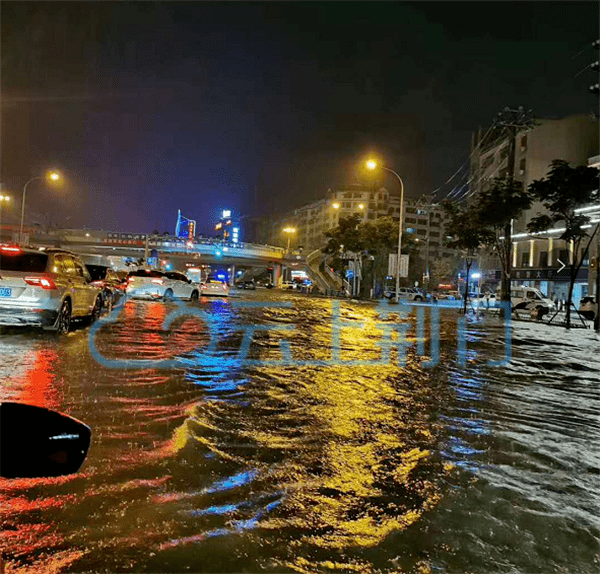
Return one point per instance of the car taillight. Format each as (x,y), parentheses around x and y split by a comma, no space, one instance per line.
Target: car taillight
(224,286)
(43,282)
(8,249)
(158,281)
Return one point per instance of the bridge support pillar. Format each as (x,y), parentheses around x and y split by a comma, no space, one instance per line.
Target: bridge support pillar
(232,276)
(277,274)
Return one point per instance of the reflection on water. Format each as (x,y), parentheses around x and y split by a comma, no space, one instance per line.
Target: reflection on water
(217,466)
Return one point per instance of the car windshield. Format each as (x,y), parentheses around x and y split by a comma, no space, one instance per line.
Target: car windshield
(23,261)
(146,273)
(97,272)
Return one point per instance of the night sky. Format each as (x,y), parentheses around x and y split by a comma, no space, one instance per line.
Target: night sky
(260,107)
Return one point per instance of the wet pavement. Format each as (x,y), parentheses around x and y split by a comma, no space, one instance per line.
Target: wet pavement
(259,461)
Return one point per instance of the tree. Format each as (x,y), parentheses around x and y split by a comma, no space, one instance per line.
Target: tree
(562,192)
(494,210)
(444,270)
(344,237)
(467,234)
(377,239)
(380,238)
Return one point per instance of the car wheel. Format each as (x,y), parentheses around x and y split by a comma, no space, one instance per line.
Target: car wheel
(194,296)
(418,298)
(96,310)
(168,296)
(63,321)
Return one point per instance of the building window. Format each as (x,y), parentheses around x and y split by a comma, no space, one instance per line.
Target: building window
(523,143)
(543,259)
(489,160)
(522,166)
(421,231)
(410,220)
(410,210)
(434,223)
(563,255)
(347,195)
(434,233)
(525,259)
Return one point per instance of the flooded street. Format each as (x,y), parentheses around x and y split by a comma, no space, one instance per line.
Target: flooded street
(213,462)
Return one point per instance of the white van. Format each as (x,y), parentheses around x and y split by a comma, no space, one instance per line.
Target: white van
(528,298)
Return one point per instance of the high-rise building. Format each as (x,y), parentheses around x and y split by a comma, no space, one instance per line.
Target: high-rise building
(535,261)
(229,227)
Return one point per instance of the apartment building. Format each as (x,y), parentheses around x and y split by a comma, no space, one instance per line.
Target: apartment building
(535,260)
(421,218)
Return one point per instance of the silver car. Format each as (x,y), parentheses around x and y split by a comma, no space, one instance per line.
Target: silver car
(158,285)
(45,288)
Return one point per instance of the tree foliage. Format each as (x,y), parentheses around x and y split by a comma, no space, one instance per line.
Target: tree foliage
(562,192)
(372,240)
(465,232)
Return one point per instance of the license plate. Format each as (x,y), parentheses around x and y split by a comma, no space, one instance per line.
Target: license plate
(5,292)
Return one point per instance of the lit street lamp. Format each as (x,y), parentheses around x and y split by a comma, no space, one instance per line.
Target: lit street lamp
(372,164)
(53,177)
(289,231)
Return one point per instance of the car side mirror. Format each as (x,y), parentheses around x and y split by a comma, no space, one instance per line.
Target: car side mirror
(38,442)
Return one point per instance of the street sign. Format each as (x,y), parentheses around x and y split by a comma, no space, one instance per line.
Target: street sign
(392,263)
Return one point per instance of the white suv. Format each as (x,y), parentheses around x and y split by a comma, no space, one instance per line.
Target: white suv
(404,293)
(45,288)
(152,284)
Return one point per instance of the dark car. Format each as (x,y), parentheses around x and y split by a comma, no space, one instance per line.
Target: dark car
(588,307)
(112,284)
(249,284)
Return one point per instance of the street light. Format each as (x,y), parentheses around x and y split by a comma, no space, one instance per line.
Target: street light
(335,205)
(372,165)
(289,231)
(53,176)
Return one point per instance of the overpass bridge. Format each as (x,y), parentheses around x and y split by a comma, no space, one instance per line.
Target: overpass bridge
(115,248)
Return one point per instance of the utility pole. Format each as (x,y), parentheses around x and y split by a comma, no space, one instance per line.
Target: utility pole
(595,88)
(513,121)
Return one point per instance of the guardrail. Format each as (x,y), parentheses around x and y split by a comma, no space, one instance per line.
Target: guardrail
(138,240)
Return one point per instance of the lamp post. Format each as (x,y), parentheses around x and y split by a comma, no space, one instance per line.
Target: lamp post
(371,164)
(52,176)
(289,231)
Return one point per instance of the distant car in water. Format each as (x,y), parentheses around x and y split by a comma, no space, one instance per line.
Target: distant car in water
(182,287)
(159,285)
(45,289)
(214,287)
(409,293)
(248,284)
(109,281)
(588,307)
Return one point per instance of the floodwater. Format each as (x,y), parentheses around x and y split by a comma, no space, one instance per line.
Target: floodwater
(299,462)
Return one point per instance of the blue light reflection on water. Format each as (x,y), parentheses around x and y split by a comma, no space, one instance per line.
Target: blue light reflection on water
(231,482)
